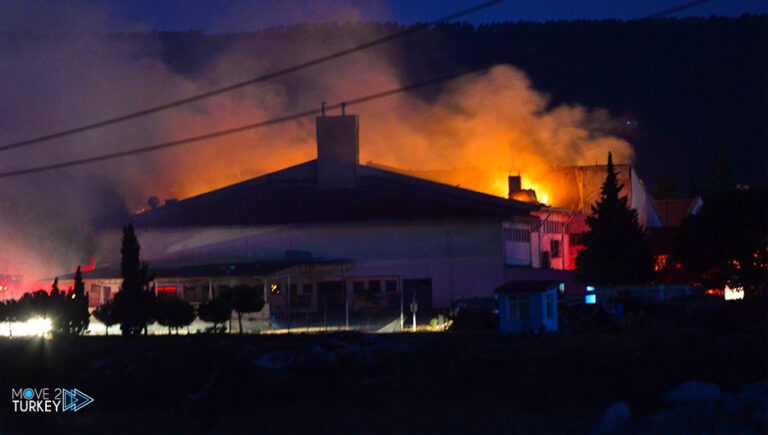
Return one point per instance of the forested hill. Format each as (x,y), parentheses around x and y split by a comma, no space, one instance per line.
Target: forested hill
(685,86)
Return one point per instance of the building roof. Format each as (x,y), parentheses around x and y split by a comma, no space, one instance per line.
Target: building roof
(159,270)
(673,211)
(527,287)
(292,195)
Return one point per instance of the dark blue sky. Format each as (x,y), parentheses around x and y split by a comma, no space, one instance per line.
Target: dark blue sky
(243,15)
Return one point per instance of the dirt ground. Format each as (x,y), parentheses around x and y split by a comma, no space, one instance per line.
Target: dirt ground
(349,382)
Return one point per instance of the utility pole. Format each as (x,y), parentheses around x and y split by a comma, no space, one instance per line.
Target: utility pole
(346,308)
(414,308)
(402,309)
(290,303)
(266,304)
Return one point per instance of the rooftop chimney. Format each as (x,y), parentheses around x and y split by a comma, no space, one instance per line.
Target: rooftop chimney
(515,184)
(517,192)
(338,146)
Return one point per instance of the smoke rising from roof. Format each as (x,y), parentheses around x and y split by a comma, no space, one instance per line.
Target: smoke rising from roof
(494,122)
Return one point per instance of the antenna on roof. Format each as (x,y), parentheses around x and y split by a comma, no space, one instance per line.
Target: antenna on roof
(322,108)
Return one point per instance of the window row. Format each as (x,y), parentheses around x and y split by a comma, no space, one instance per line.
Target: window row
(374,286)
(553,227)
(520,235)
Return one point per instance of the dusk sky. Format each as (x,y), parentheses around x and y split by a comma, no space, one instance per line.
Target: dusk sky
(216,16)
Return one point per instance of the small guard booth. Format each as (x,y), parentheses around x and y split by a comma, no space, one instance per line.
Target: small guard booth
(528,306)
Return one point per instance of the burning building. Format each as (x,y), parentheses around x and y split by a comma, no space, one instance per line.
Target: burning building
(319,235)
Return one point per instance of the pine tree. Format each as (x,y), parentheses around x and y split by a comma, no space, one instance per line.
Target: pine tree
(615,251)
(134,302)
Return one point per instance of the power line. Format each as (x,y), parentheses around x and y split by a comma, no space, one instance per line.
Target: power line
(262,78)
(298,115)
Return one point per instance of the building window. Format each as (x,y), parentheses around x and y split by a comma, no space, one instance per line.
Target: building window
(306,289)
(576,239)
(94,296)
(521,235)
(391,285)
(358,287)
(525,309)
(292,288)
(519,307)
(553,227)
(554,248)
(374,286)
(107,293)
(518,235)
(550,307)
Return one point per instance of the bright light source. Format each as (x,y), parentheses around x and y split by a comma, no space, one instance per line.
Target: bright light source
(561,287)
(36,326)
(590,288)
(590,299)
(732,294)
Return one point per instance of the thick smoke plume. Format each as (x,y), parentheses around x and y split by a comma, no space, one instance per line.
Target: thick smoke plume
(494,123)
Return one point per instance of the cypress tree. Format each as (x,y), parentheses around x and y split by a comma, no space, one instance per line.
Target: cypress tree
(78,317)
(616,251)
(133,304)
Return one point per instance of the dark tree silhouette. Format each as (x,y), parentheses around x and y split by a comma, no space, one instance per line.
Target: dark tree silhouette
(53,307)
(174,312)
(722,173)
(615,248)
(25,307)
(75,315)
(134,302)
(105,314)
(218,311)
(726,242)
(39,303)
(245,299)
(8,313)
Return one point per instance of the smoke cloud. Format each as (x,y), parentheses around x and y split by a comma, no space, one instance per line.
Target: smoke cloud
(494,122)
